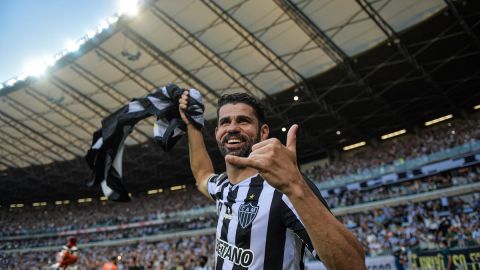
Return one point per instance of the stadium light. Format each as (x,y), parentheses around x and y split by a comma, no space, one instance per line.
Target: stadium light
(22,77)
(438,120)
(103,198)
(104,24)
(295,98)
(353,146)
(284,129)
(475,107)
(112,20)
(58,202)
(49,61)
(66,202)
(178,187)
(394,134)
(11,82)
(129,7)
(84,200)
(338,132)
(36,68)
(72,46)
(91,34)
(16,205)
(152,191)
(37,204)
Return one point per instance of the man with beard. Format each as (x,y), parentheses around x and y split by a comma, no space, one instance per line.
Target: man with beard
(268,212)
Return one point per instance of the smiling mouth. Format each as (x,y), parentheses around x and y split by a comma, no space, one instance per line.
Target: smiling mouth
(233,141)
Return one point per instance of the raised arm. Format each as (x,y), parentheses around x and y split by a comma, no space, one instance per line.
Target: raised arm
(336,246)
(200,161)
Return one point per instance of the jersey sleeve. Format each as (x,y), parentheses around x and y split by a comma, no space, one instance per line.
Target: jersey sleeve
(214,184)
(292,219)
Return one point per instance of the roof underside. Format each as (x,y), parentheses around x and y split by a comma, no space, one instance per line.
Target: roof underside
(363,67)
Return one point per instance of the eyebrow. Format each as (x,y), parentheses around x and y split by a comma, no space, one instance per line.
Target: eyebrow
(239,117)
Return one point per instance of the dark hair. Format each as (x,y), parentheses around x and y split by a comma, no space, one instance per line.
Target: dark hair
(243,98)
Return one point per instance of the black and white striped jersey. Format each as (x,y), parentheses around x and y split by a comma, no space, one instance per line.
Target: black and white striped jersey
(258,228)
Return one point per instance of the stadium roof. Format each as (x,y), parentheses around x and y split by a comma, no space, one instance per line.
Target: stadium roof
(362,67)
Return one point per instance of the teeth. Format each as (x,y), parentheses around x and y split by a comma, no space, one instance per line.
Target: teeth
(233,141)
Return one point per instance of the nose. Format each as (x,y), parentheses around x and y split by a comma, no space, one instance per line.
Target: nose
(233,127)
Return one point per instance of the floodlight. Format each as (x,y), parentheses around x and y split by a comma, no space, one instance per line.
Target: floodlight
(437,120)
(11,82)
(49,61)
(104,24)
(81,41)
(284,129)
(91,34)
(393,134)
(476,107)
(72,46)
(353,146)
(129,7)
(295,98)
(35,68)
(58,56)
(177,187)
(152,191)
(22,77)
(112,20)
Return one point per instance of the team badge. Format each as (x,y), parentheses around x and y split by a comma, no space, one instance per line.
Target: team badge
(246,214)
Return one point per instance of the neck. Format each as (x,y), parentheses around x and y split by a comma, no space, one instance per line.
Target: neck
(238,174)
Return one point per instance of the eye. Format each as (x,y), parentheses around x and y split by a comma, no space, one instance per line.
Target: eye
(224,121)
(244,120)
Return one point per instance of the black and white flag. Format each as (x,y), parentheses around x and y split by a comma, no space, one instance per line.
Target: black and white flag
(105,154)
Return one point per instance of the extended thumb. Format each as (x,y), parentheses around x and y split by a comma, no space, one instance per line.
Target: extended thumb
(292,138)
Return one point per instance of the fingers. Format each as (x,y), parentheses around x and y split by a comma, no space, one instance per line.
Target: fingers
(292,138)
(241,161)
(183,101)
(262,144)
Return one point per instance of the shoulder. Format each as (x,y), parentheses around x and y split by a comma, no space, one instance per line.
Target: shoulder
(218,179)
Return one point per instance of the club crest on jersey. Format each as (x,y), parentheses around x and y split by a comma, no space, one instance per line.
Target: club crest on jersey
(246,214)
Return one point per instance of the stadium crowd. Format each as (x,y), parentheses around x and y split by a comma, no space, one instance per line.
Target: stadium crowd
(452,221)
(342,197)
(398,150)
(183,224)
(175,253)
(74,216)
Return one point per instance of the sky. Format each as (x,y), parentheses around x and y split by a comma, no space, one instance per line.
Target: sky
(31,30)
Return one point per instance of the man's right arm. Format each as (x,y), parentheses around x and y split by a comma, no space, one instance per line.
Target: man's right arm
(200,161)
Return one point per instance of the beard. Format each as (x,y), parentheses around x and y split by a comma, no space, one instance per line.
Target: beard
(243,151)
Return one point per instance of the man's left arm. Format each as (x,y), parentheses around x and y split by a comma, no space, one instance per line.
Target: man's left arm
(336,246)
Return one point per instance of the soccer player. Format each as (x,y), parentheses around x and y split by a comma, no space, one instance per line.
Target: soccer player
(111,264)
(68,256)
(267,211)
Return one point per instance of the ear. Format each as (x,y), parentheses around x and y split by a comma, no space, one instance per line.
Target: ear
(264,132)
